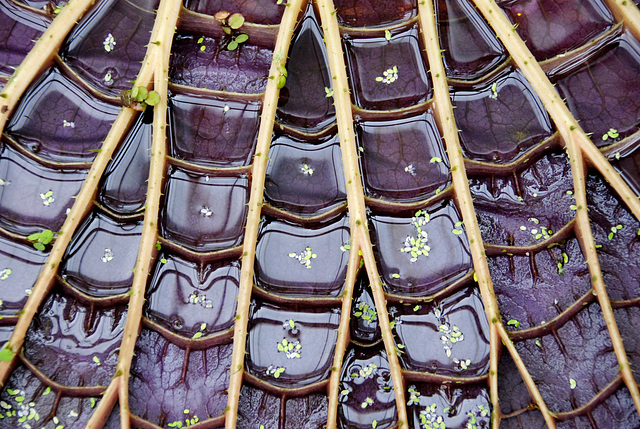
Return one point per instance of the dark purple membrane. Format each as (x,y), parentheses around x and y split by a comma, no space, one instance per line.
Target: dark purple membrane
(470,48)
(169,383)
(124,183)
(19,29)
(369,58)
(604,93)
(403,159)
(513,392)
(619,251)
(581,351)
(257,407)
(254,11)
(313,335)
(553,27)
(204,213)
(305,177)
(500,120)
(102,255)
(448,260)
(212,131)
(526,210)
(84,340)
(243,70)
(534,289)
(371,13)
(304,102)
(34,197)
(183,295)
(108,45)
(449,337)
(60,121)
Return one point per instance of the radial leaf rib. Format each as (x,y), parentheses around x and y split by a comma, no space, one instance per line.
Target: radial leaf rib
(577,144)
(343,336)
(566,124)
(627,12)
(446,119)
(258,173)
(157,60)
(355,193)
(40,57)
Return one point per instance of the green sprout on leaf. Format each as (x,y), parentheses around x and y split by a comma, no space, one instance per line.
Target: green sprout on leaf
(282,76)
(236,41)
(139,98)
(6,354)
(41,239)
(494,91)
(230,24)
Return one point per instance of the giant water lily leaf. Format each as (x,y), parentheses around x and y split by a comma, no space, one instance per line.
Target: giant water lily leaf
(330,213)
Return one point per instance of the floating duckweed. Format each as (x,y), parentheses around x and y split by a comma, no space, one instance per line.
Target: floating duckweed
(410,169)
(414,396)
(365,312)
(367,371)
(614,230)
(291,348)
(306,170)
(367,402)
(429,418)
(205,211)
(5,273)
(304,257)
(450,336)
(513,322)
(108,255)
(109,43)
(572,383)
(417,246)
(611,134)
(494,91)
(276,372)
(388,76)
